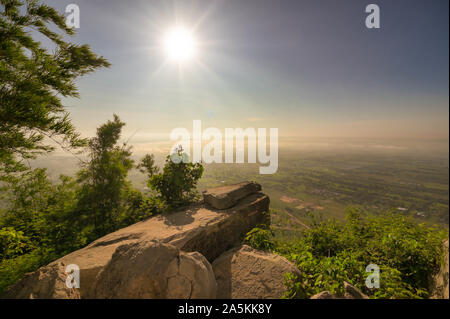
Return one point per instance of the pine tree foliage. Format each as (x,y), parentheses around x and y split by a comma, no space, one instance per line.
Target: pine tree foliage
(33,79)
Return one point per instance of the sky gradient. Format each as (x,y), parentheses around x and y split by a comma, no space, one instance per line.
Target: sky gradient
(309,68)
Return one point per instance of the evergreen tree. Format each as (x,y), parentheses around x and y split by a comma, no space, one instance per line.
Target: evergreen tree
(33,79)
(104,179)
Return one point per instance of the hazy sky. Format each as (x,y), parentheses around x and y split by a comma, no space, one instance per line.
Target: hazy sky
(310,68)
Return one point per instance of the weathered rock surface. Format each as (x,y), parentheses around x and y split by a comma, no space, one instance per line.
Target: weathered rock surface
(350,292)
(156,271)
(323,295)
(244,272)
(439,283)
(48,282)
(224,197)
(203,229)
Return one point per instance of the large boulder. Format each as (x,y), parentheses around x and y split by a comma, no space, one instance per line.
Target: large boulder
(200,228)
(46,283)
(224,197)
(247,273)
(155,270)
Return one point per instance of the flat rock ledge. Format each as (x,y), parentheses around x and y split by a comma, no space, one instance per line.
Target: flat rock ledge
(224,197)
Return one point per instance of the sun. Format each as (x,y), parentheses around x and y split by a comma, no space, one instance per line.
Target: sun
(180,44)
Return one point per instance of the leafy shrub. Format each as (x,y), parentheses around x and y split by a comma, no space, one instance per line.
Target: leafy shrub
(13,243)
(176,184)
(140,207)
(11,270)
(330,253)
(260,237)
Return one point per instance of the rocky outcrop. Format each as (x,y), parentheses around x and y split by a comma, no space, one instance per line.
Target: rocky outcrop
(198,234)
(224,197)
(155,270)
(48,282)
(350,292)
(246,273)
(439,282)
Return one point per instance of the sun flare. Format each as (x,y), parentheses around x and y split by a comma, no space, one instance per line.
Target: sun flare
(180,44)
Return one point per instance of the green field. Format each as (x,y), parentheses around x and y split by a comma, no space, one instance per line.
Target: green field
(325,184)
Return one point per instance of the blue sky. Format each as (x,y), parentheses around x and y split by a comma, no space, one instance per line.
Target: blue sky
(310,68)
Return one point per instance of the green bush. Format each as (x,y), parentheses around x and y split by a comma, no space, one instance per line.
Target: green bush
(13,243)
(330,253)
(140,207)
(260,238)
(11,270)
